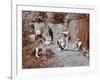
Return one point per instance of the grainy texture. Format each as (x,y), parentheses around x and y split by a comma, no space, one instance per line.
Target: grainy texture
(76,24)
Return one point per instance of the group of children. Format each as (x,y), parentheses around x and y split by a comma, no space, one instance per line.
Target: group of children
(63,43)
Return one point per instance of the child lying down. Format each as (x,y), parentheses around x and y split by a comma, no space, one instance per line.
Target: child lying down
(69,46)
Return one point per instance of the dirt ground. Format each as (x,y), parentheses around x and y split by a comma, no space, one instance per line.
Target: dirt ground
(54,58)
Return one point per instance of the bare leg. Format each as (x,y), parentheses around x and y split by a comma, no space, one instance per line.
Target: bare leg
(36,54)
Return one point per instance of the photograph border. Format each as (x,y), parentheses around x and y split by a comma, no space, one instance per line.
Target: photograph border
(16,67)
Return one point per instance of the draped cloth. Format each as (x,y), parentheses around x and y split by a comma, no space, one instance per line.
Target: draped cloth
(83,32)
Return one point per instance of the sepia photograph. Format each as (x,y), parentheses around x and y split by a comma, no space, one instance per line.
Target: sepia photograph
(55,39)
